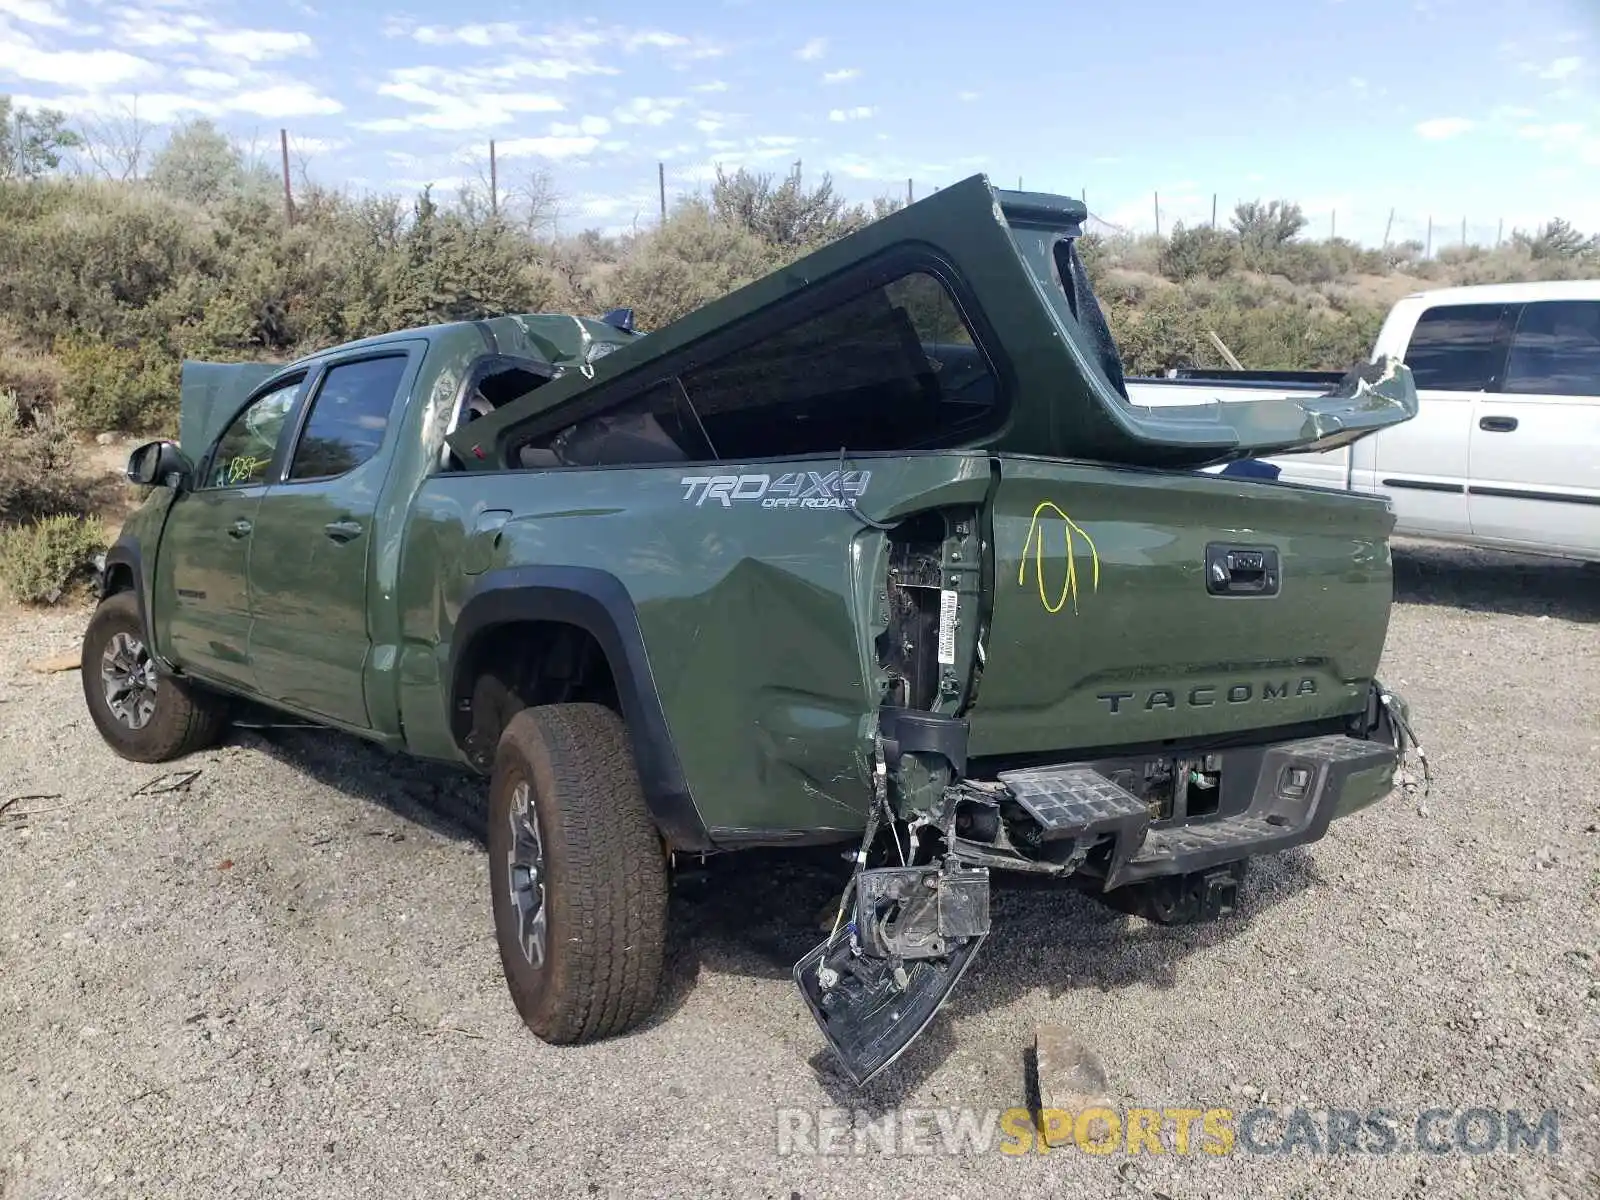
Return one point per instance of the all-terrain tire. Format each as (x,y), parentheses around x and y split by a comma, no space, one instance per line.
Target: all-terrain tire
(603,872)
(186,717)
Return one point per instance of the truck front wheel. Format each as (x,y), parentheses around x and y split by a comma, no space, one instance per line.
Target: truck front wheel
(577,875)
(142,715)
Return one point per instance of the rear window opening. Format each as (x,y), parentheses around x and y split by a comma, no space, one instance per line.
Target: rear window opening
(500,386)
(493,383)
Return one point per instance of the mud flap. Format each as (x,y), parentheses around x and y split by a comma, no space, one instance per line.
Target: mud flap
(874,986)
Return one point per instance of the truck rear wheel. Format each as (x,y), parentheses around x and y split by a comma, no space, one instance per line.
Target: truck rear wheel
(142,715)
(577,874)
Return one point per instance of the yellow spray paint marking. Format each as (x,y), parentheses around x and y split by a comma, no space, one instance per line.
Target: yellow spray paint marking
(1069,588)
(243,467)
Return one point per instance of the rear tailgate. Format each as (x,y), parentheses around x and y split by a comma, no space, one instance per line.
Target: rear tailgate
(1105,631)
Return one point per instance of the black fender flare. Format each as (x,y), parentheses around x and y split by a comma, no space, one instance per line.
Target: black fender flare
(597,602)
(125,554)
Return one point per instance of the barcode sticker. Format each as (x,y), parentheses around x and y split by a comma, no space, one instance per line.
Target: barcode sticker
(947,626)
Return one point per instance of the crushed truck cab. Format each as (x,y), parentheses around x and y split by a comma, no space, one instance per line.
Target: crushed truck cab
(874,552)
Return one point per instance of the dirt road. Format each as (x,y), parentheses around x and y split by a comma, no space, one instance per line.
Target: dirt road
(278,977)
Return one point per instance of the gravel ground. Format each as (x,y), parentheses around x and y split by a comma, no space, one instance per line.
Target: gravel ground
(281,978)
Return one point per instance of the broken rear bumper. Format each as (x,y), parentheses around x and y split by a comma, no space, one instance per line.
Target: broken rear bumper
(1270,799)
(1162,835)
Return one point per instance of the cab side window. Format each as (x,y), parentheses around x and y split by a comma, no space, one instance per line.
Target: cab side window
(348,417)
(1455,347)
(1556,350)
(244,452)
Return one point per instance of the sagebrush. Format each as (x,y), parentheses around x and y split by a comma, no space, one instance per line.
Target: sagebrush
(44,561)
(106,286)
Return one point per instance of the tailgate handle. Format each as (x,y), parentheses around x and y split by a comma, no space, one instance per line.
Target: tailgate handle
(1241,570)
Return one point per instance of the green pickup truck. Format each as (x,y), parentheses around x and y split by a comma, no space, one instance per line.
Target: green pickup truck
(874,551)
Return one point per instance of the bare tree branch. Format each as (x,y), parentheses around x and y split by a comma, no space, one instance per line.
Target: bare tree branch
(115,143)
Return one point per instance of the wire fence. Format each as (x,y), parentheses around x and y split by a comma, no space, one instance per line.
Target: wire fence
(1110,213)
(571,200)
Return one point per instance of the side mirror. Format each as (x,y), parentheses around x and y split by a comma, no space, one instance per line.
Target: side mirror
(154,463)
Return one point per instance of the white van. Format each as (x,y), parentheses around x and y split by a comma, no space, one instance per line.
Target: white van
(1504,451)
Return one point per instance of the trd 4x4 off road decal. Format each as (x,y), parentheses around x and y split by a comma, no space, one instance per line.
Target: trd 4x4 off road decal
(795,489)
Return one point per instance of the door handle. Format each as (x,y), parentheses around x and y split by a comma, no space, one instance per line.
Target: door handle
(1497,424)
(240,528)
(342,531)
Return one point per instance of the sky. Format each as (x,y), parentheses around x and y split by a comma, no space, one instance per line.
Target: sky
(1470,111)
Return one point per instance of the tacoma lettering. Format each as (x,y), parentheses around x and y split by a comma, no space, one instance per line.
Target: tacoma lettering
(1205,695)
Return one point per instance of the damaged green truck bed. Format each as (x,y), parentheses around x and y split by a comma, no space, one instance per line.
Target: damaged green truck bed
(874,551)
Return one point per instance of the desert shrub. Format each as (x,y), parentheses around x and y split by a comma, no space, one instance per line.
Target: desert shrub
(1299,336)
(103,260)
(42,561)
(32,380)
(36,476)
(1118,287)
(1198,252)
(106,286)
(693,259)
(786,214)
(1095,256)
(127,388)
(1264,229)
(1167,331)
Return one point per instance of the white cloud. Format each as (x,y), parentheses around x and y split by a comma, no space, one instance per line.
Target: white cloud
(859,113)
(571,44)
(1440,128)
(557,68)
(716,85)
(646,110)
(107,68)
(258,45)
(467,35)
(587,126)
(546,147)
(162,108)
(966,97)
(284,100)
(812,50)
(317,145)
(1572,140)
(1561,132)
(453,100)
(854,166)
(211,81)
(711,122)
(655,38)
(158,29)
(35,12)
(841,76)
(1561,68)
